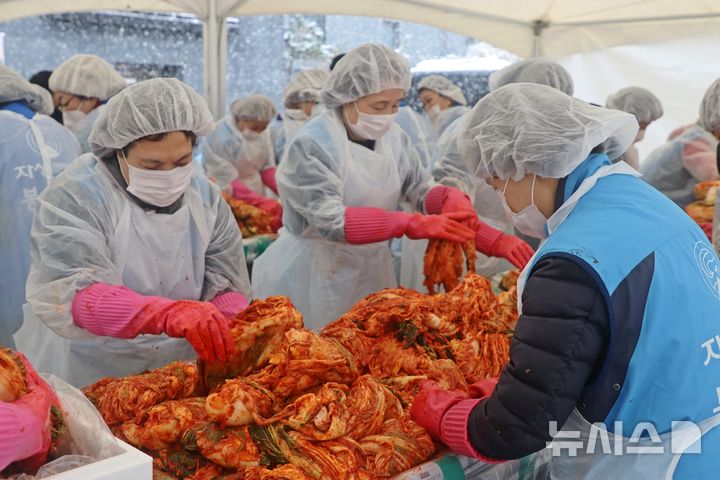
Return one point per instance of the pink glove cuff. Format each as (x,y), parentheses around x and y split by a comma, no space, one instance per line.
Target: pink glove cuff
(116,311)
(230,303)
(485,238)
(21,435)
(268,178)
(241,191)
(370,225)
(435,199)
(454,430)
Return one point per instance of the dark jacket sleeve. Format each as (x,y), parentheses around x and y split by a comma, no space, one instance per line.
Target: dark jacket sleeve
(558,341)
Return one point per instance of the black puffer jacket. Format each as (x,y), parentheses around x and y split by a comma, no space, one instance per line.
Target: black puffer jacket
(559,345)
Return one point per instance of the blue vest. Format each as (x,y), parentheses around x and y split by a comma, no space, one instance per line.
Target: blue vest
(618,224)
(20,107)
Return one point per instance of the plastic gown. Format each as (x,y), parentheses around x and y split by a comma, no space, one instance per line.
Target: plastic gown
(228,155)
(323,173)
(88,230)
(32,151)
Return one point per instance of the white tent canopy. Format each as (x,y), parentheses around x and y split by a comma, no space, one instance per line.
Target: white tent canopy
(590,37)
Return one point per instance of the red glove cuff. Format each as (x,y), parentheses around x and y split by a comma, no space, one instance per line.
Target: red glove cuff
(370,225)
(268,178)
(435,199)
(454,430)
(230,303)
(486,237)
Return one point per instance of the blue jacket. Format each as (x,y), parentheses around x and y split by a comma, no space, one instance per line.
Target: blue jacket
(619,302)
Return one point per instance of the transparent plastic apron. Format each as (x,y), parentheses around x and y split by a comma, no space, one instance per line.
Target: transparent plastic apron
(162,255)
(587,463)
(325,278)
(255,158)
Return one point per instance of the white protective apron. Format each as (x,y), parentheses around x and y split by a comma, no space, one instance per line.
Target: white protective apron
(325,278)
(255,159)
(290,128)
(168,263)
(594,464)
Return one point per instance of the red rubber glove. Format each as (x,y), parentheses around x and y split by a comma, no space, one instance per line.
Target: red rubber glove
(273,207)
(369,225)
(457,201)
(116,311)
(494,243)
(202,325)
(268,178)
(25,424)
(431,404)
(442,227)
(482,388)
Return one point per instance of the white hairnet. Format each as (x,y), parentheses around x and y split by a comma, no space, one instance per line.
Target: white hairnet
(710,108)
(305,86)
(253,107)
(13,87)
(146,108)
(535,70)
(365,70)
(443,86)
(636,100)
(526,128)
(87,76)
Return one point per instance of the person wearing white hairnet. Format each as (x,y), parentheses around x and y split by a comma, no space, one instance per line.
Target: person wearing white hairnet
(81,85)
(302,103)
(238,155)
(442,100)
(34,148)
(449,169)
(618,306)
(689,157)
(645,106)
(535,70)
(136,258)
(340,183)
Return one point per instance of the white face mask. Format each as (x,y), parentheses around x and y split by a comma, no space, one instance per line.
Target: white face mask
(250,134)
(434,112)
(371,127)
(72,119)
(158,187)
(530,220)
(296,114)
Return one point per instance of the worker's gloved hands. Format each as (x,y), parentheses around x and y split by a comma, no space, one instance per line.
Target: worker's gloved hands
(512,249)
(431,404)
(25,424)
(201,324)
(494,243)
(457,201)
(442,227)
(482,388)
(274,208)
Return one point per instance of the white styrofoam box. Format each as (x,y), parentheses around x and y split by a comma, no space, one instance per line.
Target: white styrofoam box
(132,464)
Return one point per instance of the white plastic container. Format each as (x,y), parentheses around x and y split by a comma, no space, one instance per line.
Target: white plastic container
(132,464)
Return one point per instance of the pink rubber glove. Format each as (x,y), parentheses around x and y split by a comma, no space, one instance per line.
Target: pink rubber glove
(268,178)
(443,199)
(116,311)
(482,388)
(25,423)
(494,243)
(370,225)
(445,415)
(273,207)
(230,303)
